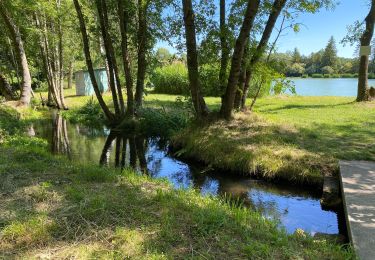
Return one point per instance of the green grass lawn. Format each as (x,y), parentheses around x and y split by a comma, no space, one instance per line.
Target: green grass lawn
(53,208)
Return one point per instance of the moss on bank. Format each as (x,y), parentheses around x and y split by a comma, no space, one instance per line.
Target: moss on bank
(51,208)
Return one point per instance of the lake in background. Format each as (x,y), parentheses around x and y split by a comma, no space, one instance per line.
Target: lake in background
(327,87)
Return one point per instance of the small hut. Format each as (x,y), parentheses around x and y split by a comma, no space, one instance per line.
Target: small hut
(83,82)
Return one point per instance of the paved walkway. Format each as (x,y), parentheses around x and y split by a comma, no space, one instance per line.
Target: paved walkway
(358,189)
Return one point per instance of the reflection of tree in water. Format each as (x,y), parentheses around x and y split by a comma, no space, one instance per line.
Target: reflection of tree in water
(60,140)
(250,194)
(129,151)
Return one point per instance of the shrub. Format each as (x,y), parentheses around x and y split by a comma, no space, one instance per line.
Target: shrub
(305,76)
(90,114)
(171,79)
(327,70)
(348,75)
(209,75)
(317,75)
(160,122)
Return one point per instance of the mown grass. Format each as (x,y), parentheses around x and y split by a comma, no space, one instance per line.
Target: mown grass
(53,208)
(297,139)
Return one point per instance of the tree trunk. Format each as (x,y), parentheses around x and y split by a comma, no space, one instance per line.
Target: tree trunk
(60,60)
(277,7)
(229,96)
(200,107)
(6,90)
(224,47)
(86,48)
(113,60)
(142,48)
(18,43)
(107,41)
(364,61)
(241,86)
(70,74)
(52,60)
(124,16)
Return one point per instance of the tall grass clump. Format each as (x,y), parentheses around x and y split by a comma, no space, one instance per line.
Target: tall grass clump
(165,121)
(171,79)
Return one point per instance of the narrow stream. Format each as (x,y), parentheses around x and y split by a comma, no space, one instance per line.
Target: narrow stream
(292,207)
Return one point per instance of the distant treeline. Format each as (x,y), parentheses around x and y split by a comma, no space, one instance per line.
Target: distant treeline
(322,64)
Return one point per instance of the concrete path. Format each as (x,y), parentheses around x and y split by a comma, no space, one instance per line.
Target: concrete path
(358,189)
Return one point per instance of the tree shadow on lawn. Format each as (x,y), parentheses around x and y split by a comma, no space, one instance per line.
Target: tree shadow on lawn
(253,145)
(271,109)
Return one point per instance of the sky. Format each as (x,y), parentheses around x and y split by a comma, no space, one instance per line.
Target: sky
(319,27)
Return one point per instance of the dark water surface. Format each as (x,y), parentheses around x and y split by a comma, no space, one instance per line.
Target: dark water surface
(292,207)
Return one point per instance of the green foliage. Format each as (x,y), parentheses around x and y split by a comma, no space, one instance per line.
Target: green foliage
(269,81)
(209,76)
(329,57)
(171,79)
(327,70)
(89,114)
(317,75)
(165,121)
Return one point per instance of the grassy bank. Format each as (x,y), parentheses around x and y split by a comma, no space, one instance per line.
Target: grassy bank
(51,208)
(297,139)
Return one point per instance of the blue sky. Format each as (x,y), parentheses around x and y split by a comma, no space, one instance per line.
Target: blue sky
(319,27)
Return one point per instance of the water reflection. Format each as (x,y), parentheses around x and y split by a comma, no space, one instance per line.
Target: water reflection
(292,207)
(136,147)
(60,140)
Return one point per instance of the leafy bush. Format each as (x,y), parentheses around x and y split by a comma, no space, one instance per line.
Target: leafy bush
(327,70)
(348,75)
(270,81)
(171,79)
(209,75)
(89,114)
(317,75)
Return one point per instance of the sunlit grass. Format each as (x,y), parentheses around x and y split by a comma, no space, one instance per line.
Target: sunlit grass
(53,208)
(296,139)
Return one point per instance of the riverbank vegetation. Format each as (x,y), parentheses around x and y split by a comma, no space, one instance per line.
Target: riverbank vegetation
(288,138)
(225,67)
(295,139)
(53,208)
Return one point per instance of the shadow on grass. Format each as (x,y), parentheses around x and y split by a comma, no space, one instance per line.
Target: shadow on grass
(130,218)
(295,106)
(298,154)
(64,211)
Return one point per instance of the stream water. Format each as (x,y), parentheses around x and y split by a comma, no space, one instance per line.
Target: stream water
(292,207)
